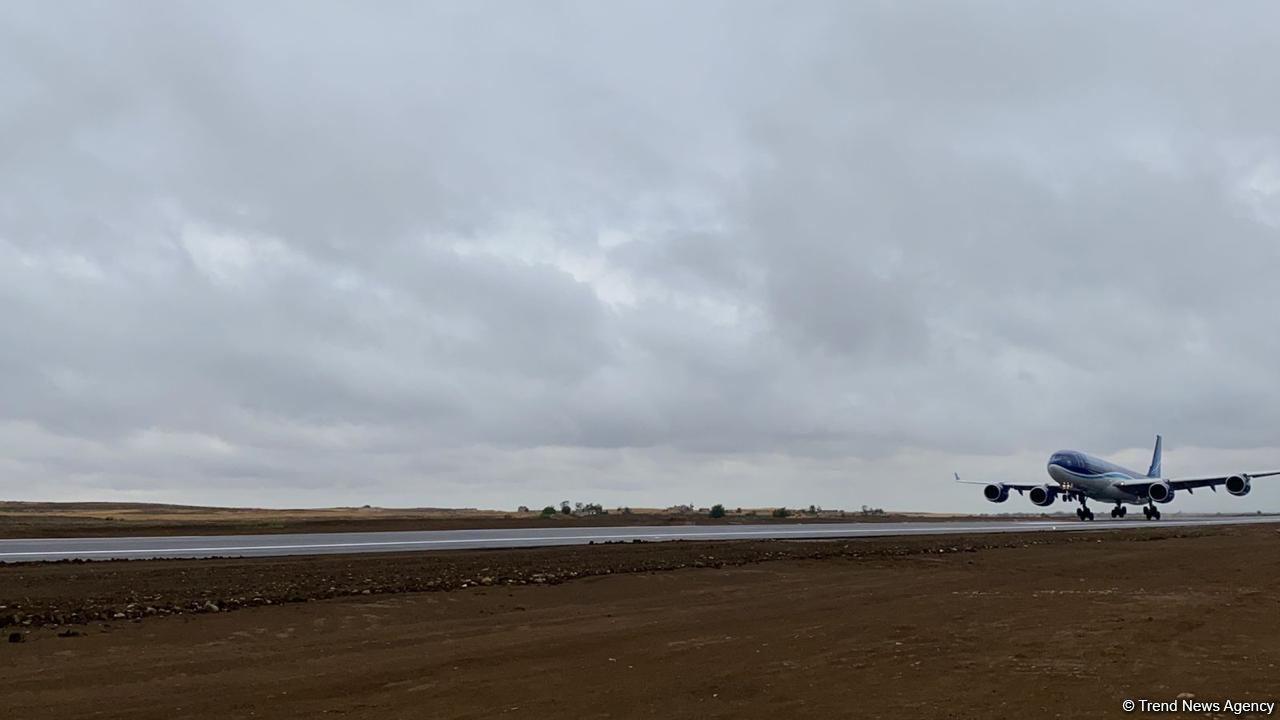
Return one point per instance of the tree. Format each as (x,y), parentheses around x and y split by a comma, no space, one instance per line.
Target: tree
(548,511)
(717,511)
(564,507)
(781,512)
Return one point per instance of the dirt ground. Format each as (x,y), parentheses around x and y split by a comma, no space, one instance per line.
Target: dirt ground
(43,520)
(980,627)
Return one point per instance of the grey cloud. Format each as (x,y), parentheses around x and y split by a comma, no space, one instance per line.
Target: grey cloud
(494,253)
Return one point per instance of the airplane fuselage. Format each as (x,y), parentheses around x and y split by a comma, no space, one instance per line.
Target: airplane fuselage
(1093,477)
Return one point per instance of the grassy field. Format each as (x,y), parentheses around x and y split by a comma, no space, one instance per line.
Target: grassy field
(34,520)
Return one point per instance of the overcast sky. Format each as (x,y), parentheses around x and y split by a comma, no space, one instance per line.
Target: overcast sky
(500,253)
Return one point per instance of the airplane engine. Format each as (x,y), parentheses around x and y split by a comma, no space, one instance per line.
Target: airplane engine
(1161,492)
(1238,485)
(1043,496)
(996,493)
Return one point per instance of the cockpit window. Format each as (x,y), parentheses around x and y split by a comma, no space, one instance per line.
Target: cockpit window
(1067,459)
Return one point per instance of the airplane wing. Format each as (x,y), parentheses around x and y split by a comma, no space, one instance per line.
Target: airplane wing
(1011,486)
(1140,486)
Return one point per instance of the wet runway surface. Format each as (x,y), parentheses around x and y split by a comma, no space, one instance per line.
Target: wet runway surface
(20,550)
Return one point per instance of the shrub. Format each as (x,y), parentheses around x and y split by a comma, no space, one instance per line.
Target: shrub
(717,511)
(548,511)
(781,512)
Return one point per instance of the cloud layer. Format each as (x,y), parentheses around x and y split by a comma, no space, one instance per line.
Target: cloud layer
(489,254)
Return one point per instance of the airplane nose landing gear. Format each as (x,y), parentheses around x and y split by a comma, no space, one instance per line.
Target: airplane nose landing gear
(1083,512)
(1119,511)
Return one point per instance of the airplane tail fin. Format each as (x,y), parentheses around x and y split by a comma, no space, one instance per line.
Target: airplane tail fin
(1154,472)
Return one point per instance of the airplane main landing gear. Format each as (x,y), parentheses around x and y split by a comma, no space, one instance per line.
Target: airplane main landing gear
(1084,513)
(1119,511)
(1151,511)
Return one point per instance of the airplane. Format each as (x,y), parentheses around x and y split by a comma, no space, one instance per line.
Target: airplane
(1082,477)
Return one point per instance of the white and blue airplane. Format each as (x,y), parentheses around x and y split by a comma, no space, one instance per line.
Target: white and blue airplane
(1082,477)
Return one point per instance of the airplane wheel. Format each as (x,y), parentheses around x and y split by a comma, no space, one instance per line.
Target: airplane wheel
(1114,513)
(1088,514)
(1155,514)
(1079,513)
(1123,511)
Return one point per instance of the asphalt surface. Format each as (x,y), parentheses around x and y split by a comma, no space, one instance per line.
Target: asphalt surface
(44,549)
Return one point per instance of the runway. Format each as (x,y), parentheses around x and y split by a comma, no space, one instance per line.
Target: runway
(20,550)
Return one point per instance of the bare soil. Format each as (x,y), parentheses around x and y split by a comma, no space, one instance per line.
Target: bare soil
(977,627)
